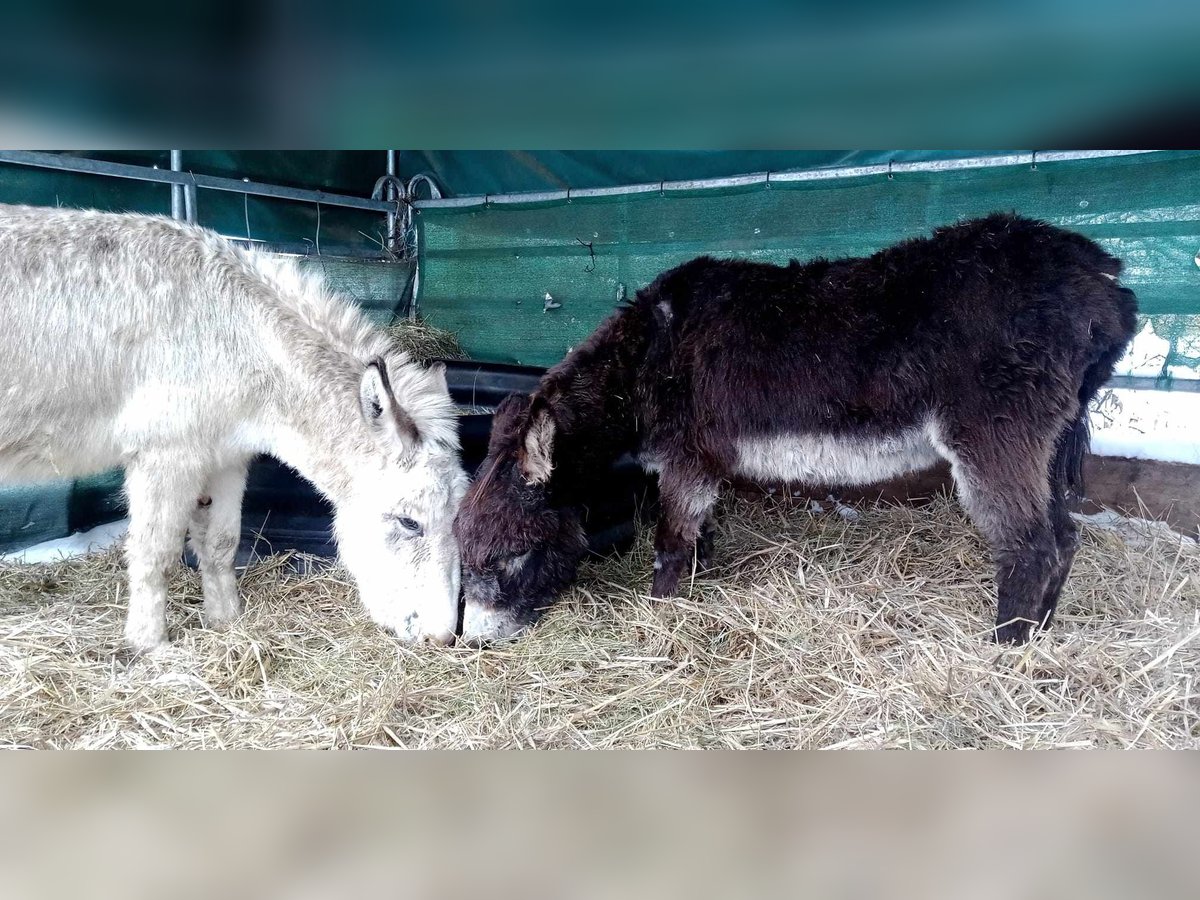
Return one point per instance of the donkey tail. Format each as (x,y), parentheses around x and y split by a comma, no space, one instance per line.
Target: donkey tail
(1109,346)
(1073,445)
(1076,437)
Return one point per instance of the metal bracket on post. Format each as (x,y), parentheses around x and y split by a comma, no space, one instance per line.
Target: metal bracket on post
(177,207)
(407,227)
(189,203)
(391,189)
(183,196)
(390,193)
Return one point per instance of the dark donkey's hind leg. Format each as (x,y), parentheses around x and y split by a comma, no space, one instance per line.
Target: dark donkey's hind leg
(686,497)
(1066,536)
(1066,471)
(1003,482)
(704,543)
(1066,479)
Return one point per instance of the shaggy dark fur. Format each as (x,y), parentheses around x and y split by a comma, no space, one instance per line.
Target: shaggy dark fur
(981,344)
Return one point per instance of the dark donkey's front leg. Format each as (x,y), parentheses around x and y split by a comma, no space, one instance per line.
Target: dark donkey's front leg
(704,544)
(686,497)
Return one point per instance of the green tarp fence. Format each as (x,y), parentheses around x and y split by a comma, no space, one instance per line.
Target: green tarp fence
(354,172)
(485,271)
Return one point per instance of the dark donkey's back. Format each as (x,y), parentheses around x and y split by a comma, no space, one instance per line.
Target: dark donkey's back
(981,345)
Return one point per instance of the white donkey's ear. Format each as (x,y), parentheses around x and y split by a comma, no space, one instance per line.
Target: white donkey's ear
(437,372)
(383,415)
(536,454)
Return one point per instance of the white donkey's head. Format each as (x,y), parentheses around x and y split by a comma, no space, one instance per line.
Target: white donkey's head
(394,523)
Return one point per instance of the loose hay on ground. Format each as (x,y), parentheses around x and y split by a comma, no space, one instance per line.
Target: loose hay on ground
(814,631)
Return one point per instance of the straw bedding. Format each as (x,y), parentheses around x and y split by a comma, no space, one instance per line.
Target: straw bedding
(866,628)
(423,341)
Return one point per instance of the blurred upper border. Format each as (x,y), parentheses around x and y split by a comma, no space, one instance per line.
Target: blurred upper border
(485,75)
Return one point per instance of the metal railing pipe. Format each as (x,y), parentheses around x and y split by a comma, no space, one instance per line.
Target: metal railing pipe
(188,180)
(933,165)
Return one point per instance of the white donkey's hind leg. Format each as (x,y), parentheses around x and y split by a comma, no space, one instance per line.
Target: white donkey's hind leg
(162,495)
(214,533)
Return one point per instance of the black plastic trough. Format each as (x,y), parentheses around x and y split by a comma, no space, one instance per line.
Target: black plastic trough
(282,511)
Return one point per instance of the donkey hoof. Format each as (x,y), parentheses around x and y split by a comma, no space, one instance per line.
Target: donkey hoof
(664,588)
(1014,631)
(220,616)
(145,644)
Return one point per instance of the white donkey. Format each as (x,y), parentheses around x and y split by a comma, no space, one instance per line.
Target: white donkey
(138,341)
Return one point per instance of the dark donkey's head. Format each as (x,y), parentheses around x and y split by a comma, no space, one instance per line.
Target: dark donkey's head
(519,550)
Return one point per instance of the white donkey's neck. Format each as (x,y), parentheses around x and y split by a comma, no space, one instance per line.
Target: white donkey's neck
(321,446)
(317,346)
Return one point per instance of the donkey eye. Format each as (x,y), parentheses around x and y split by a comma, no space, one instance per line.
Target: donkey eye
(412,526)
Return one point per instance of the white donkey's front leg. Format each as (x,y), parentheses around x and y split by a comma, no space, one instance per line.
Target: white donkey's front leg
(162,494)
(215,531)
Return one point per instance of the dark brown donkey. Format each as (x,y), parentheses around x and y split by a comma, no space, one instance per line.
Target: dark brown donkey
(980,345)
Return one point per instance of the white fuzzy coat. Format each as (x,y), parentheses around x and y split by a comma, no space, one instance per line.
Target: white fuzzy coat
(142,342)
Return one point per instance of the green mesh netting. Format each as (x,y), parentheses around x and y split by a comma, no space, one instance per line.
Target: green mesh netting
(485,272)
(235,215)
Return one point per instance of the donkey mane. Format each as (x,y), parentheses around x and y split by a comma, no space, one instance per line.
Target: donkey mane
(343,341)
(593,396)
(316,306)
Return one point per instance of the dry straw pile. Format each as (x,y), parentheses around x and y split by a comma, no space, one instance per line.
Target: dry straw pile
(424,342)
(816,630)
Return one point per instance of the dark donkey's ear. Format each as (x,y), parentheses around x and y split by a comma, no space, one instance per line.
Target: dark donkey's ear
(535,457)
(384,416)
